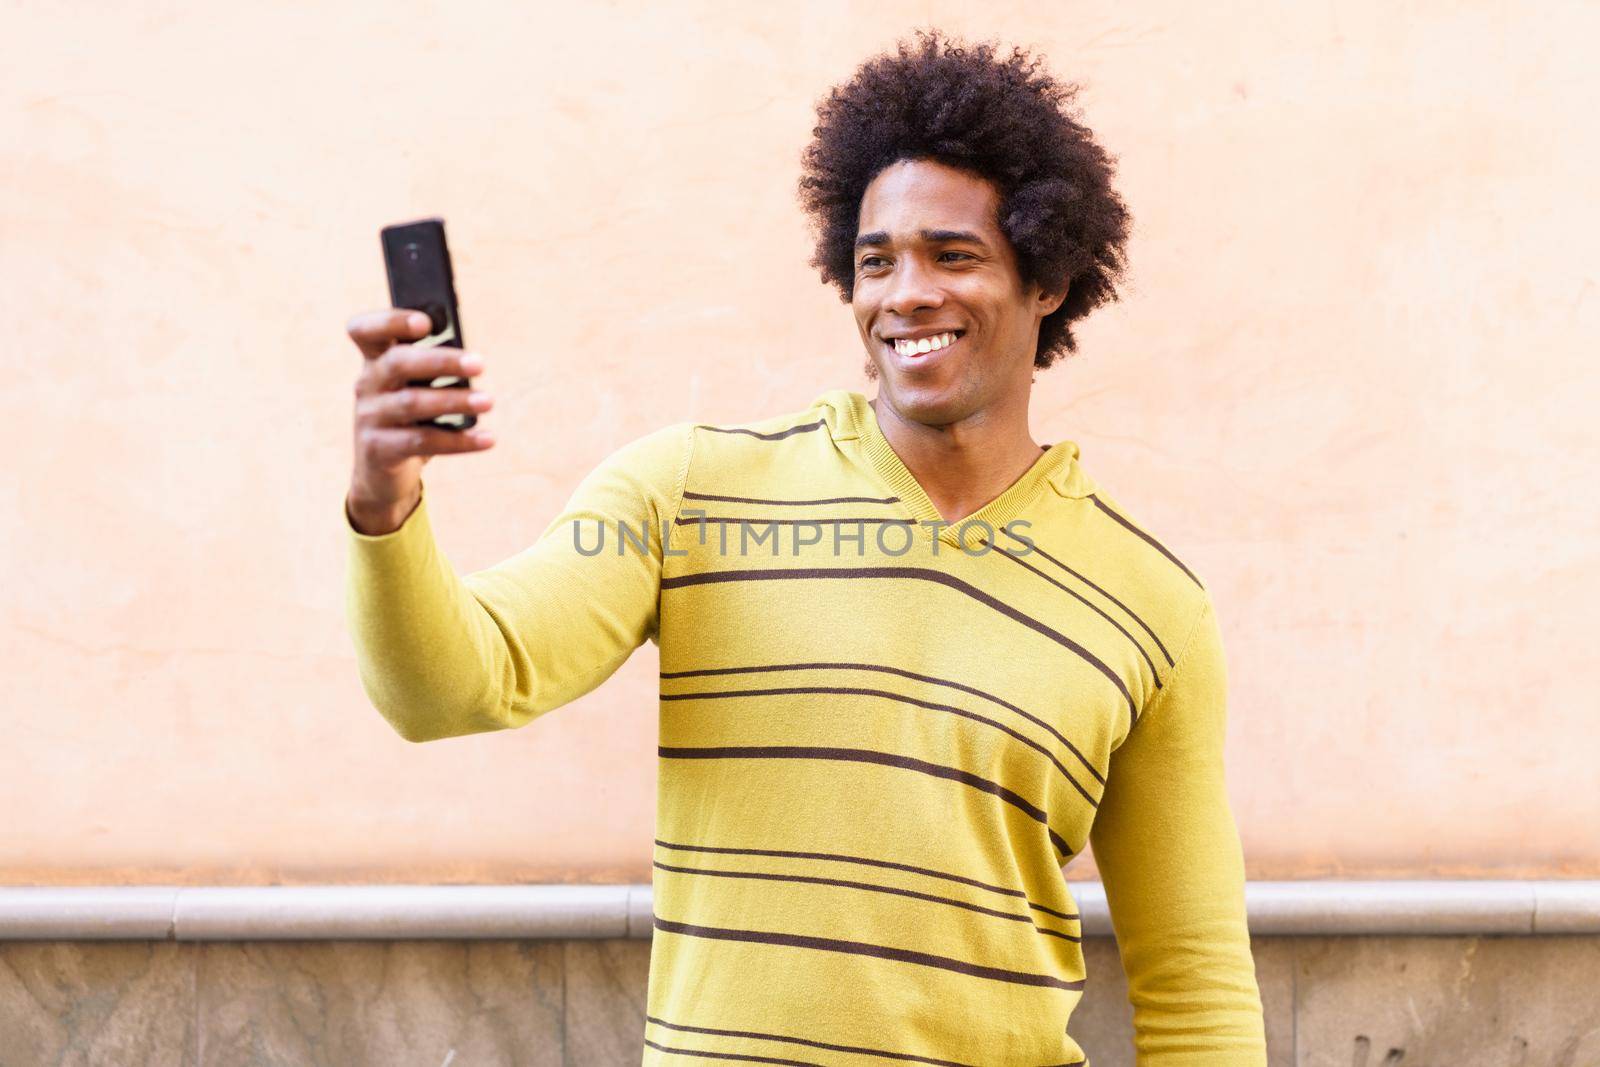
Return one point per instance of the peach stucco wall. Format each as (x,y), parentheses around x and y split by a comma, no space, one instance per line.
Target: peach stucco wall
(1352,384)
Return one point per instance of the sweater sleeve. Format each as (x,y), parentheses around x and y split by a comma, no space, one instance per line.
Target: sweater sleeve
(1169,856)
(442,655)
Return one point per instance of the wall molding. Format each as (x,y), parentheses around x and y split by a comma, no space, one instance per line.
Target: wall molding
(563,912)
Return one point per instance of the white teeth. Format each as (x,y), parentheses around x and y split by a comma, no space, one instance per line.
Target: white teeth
(927,344)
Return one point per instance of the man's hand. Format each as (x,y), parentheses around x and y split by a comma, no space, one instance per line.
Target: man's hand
(386,483)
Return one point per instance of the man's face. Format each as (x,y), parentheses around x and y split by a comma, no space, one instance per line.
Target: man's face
(931,261)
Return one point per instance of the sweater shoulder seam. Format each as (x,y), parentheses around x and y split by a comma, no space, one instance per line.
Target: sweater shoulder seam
(1182,658)
(684,464)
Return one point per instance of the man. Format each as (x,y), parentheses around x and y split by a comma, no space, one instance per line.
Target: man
(912,661)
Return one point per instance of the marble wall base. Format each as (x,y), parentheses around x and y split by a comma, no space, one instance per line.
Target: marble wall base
(1330,1002)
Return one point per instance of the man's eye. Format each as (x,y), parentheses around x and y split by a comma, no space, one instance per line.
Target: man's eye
(871,261)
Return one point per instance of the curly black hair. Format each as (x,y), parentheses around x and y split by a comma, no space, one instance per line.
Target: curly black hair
(999,118)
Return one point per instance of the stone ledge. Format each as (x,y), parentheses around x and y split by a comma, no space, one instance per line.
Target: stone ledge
(568,912)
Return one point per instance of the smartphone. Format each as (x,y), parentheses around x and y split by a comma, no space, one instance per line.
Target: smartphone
(420,277)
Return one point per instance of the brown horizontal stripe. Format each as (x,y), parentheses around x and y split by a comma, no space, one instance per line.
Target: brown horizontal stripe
(919,573)
(1042,724)
(778,436)
(867,862)
(883,759)
(764,521)
(690,495)
(1092,584)
(869,887)
(1019,561)
(702,1054)
(840,690)
(1157,545)
(759,1036)
(862,948)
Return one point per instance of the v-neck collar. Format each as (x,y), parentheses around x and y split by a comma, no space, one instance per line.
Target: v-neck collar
(1056,466)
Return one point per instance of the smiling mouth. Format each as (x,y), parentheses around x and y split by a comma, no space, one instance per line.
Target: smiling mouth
(923,347)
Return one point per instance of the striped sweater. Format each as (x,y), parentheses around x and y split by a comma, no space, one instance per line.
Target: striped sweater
(882,737)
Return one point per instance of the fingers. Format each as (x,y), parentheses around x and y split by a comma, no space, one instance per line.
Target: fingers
(401,407)
(374,331)
(385,446)
(388,407)
(403,364)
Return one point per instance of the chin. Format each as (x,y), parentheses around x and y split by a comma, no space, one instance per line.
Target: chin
(932,404)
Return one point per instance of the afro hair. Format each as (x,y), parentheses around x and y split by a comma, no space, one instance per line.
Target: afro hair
(1000,118)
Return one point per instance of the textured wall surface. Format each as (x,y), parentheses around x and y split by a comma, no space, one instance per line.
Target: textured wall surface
(1351,383)
(1330,1002)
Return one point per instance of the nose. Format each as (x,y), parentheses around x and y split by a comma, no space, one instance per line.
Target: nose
(912,287)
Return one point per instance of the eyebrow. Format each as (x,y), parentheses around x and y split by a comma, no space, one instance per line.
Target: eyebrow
(881,237)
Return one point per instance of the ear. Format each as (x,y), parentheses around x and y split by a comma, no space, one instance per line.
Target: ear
(1047,303)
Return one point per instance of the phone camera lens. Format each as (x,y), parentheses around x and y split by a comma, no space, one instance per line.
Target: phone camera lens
(440,320)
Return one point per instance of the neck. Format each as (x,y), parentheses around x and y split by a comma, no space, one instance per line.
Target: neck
(965,464)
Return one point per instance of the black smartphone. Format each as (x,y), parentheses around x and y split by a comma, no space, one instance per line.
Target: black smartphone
(420,277)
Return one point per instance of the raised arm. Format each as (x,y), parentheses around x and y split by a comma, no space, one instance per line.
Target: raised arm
(1169,855)
(442,655)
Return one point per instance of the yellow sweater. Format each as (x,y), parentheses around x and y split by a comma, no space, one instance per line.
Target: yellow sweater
(878,748)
